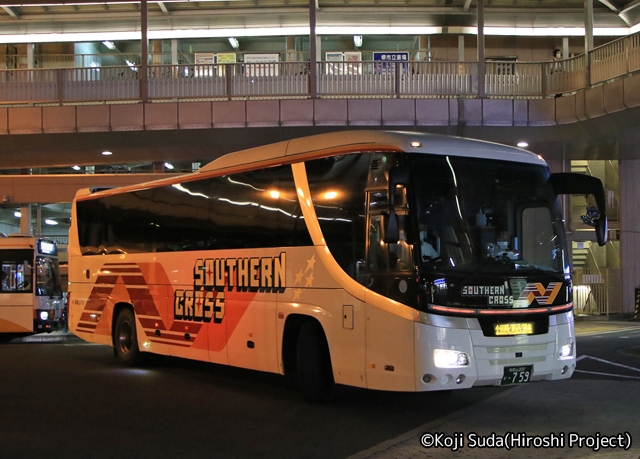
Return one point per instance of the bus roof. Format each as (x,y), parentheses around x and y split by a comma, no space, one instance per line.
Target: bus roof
(368,140)
(337,143)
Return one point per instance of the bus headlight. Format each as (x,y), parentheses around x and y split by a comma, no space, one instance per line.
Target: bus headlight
(565,352)
(447,358)
(44,315)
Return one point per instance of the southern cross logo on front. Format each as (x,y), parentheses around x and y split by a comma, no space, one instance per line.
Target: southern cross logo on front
(544,296)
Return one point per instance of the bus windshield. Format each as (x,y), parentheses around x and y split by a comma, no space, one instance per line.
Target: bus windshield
(486,215)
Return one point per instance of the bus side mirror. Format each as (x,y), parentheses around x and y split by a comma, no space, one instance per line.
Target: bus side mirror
(572,183)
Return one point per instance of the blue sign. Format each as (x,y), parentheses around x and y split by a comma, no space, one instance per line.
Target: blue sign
(386,60)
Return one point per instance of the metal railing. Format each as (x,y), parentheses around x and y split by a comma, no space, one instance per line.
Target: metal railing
(114,80)
(597,291)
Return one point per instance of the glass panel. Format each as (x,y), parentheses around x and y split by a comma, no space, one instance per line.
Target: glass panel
(16,271)
(474,213)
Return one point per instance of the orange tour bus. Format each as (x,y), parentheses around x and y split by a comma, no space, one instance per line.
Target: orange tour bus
(395,261)
(30,292)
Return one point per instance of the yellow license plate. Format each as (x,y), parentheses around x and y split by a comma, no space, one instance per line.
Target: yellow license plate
(514,329)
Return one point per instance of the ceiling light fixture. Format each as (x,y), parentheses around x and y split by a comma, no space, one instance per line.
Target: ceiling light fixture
(76,167)
(109,44)
(357,41)
(523,144)
(322,30)
(48,221)
(234,43)
(168,166)
(107,153)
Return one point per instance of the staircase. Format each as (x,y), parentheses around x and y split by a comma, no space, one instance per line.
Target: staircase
(579,258)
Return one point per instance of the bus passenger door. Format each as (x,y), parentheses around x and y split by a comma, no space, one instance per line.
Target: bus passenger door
(16,293)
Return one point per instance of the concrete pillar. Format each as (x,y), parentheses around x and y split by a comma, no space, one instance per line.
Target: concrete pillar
(588,37)
(174,51)
(143,71)
(38,229)
(291,55)
(629,232)
(460,48)
(314,50)
(30,58)
(565,47)
(481,64)
(25,219)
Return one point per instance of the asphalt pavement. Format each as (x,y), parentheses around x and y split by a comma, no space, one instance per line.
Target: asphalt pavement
(575,418)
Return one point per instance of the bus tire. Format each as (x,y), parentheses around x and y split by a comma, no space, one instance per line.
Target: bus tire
(125,338)
(315,375)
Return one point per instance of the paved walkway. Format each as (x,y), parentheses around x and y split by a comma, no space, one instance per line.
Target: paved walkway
(552,412)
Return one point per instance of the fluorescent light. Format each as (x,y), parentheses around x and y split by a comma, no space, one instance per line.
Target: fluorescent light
(357,41)
(109,44)
(17,214)
(50,222)
(107,153)
(234,43)
(76,167)
(322,30)
(168,166)
(523,144)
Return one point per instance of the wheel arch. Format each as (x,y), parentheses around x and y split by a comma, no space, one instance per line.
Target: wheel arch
(292,326)
(117,309)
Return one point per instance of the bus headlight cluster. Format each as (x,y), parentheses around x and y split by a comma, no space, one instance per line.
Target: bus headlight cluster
(44,315)
(565,352)
(447,358)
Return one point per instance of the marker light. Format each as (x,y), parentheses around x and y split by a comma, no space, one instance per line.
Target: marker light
(447,358)
(415,144)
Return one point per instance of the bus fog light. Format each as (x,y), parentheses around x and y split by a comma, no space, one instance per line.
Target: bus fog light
(44,315)
(427,378)
(565,352)
(460,379)
(447,358)
(446,379)
(564,370)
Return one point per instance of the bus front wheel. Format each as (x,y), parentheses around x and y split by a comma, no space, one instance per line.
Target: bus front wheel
(314,362)
(126,339)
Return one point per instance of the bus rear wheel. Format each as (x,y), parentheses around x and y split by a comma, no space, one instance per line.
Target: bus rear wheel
(125,338)
(314,362)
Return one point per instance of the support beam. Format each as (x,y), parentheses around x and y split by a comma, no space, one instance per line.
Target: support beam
(610,5)
(481,51)
(143,72)
(11,12)
(164,8)
(588,37)
(313,50)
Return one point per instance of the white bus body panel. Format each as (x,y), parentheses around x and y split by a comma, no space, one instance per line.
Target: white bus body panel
(490,355)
